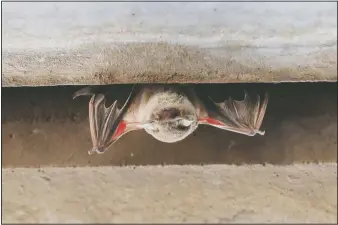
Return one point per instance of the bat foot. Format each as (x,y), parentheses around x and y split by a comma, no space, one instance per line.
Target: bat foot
(84,91)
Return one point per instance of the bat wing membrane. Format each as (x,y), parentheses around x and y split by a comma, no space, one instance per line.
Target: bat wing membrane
(244,117)
(104,121)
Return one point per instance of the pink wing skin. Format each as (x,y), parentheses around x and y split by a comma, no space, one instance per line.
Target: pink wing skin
(244,117)
(106,123)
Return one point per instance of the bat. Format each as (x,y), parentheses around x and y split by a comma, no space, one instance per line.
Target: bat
(169,113)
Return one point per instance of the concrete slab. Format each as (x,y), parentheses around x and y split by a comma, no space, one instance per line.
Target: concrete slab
(154,194)
(55,43)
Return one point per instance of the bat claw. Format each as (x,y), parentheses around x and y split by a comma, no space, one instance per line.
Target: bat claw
(261,132)
(91,152)
(84,91)
(97,150)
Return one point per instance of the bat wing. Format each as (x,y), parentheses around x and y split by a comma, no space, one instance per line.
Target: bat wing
(106,123)
(244,117)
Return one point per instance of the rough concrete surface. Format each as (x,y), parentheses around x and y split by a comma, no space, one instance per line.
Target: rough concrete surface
(56,43)
(154,194)
(65,43)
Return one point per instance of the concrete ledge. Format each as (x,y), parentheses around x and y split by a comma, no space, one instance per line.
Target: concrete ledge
(149,42)
(215,193)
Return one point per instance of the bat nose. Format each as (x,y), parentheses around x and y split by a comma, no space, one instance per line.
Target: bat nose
(170,113)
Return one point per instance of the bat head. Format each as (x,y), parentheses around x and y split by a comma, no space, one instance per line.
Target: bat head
(171,116)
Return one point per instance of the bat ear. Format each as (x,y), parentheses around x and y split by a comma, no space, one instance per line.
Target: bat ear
(210,121)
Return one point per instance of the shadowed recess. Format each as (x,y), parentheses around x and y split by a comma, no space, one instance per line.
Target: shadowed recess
(44,126)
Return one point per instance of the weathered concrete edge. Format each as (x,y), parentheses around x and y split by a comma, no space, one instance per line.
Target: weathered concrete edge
(106,43)
(221,194)
(165,63)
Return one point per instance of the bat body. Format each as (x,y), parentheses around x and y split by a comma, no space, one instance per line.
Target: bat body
(169,113)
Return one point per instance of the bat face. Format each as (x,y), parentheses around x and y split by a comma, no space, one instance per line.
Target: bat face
(169,113)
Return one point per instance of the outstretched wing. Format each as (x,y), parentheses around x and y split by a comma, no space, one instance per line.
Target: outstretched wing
(106,123)
(244,117)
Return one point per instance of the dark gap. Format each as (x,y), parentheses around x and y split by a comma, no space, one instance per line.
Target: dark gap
(45,126)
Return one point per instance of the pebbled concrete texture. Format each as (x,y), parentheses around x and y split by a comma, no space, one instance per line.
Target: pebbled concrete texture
(149,42)
(64,43)
(287,175)
(155,194)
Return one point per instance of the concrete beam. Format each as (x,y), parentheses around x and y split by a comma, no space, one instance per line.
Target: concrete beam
(155,194)
(56,43)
